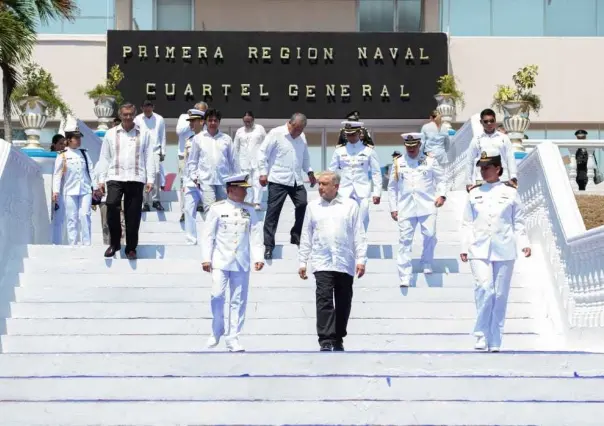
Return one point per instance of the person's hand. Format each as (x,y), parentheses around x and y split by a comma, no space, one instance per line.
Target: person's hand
(394,216)
(360,270)
(207,266)
(102,188)
(258,266)
(463,257)
(302,273)
(439,201)
(312,179)
(55,197)
(263,180)
(376,200)
(149,187)
(527,252)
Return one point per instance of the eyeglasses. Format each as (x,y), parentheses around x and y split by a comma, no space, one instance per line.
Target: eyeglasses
(488,121)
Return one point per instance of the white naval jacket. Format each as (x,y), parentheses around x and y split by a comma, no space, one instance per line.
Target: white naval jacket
(333,236)
(126,156)
(70,176)
(486,142)
(493,223)
(414,186)
(184,132)
(353,162)
(232,236)
(247,144)
(218,155)
(284,159)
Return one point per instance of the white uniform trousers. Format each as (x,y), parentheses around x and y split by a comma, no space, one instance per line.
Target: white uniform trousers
(153,196)
(58,220)
(491,289)
(406,230)
(363,204)
(238,283)
(181,169)
(77,218)
(254,194)
(211,194)
(192,198)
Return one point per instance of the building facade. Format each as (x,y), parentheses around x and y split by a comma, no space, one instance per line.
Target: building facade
(488,41)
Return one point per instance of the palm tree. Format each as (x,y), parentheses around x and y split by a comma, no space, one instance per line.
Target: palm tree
(19,20)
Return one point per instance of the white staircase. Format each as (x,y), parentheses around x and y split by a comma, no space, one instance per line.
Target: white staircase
(96,341)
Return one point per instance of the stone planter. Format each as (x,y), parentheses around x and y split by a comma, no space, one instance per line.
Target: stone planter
(516,121)
(446,108)
(104,109)
(33,117)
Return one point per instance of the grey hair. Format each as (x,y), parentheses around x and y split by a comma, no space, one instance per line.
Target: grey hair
(298,116)
(335,177)
(201,106)
(128,105)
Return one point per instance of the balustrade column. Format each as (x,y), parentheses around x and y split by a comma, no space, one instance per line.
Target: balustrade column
(591,164)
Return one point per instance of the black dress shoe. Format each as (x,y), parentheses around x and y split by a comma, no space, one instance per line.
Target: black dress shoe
(268,253)
(326,347)
(182,217)
(338,347)
(157,206)
(110,252)
(131,255)
(146,207)
(200,208)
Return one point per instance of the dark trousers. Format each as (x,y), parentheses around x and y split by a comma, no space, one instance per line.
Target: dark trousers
(276,198)
(133,202)
(332,321)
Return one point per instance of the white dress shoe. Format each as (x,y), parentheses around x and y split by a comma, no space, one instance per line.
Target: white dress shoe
(481,343)
(405,282)
(234,346)
(212,342)
(494,349)
(427,268)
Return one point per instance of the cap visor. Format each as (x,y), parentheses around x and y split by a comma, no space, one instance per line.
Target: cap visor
(488,161)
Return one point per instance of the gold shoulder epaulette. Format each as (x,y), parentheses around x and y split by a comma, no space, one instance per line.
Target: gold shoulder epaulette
(340,145)
(62,151)
(478,185)
(368,145)
(218,202)
(511,185)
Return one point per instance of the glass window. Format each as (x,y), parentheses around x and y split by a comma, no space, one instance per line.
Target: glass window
(101,8)
(174,15)
(88,26)
(409,13)
(142,15)
(376,15)
(567,18)
(517,18)
(95,17)
(468,18)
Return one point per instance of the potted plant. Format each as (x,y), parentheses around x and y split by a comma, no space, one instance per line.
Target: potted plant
(106,96)
(36,98)
(517,102)
(447,98)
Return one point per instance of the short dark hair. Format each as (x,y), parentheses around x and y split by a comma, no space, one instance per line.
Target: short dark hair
(500,170)
(487,112)
(249,113)
(56,138)
(213,112)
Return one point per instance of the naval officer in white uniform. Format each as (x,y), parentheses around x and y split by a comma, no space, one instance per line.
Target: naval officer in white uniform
(492,231)
(354,161)
(231,244)
(415,190)
(74,182)
(191,180)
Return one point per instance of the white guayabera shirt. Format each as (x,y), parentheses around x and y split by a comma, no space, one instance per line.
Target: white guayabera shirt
(247,144)
(333,236)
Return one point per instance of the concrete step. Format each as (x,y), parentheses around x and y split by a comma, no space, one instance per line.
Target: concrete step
(464,280)
(277,326)
(297,309)
(238,366)
(271,342)
(392,294)
(187,266)
(375,388)
(170,251)
(289,412)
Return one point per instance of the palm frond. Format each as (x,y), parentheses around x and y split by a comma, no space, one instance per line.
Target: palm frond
(16,39)
(48,10)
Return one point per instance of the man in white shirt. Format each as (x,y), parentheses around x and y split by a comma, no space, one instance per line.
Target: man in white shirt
(415,190)
(247,142)
(126,164)
(334,241)
(184,133)
(355,161)
(149,121)
(491,138)
(218,153)
(282,158)
(231,245)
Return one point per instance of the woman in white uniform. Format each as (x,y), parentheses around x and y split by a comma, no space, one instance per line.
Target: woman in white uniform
(74,182)
(492,231)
